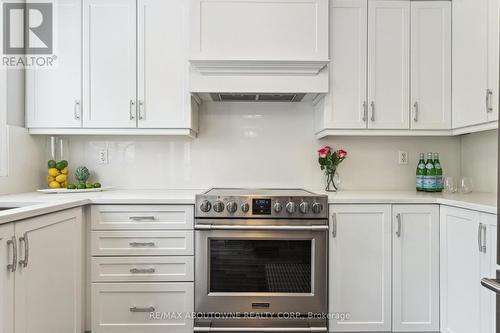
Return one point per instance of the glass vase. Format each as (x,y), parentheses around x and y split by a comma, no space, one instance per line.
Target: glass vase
(332,179)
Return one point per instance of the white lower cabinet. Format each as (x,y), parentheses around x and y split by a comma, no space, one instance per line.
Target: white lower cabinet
(142,268)
(42,291)
(468,253)
(384,268)
(360,267)
(7,259)
(415,268)
(142,307)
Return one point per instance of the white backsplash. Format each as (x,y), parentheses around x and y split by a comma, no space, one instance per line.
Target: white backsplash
(255,145)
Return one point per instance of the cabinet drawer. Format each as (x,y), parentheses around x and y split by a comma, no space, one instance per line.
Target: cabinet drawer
(134,217)
(142,269)
(142,243)
(127,307)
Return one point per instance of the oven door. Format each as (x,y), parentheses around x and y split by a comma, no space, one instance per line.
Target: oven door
(261,269)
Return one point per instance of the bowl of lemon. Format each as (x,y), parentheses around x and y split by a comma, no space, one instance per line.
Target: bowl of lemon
(58,179)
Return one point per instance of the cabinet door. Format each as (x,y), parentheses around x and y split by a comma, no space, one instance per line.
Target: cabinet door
(470,68)
(461,266)
(109,63)
(53,96)
(163,96)
(360,267)
(489,265)
(493,58)
(431,64)
(48,288)
(348,35)
(7,257)
(388,64)
(415,268)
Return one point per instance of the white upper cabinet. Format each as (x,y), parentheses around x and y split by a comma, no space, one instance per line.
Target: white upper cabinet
(415,268)
(388,64)
(475,62)
(109,83)
(348,50)
(431,64)
(163,69)
(360,267)
(53,96)
(259,30)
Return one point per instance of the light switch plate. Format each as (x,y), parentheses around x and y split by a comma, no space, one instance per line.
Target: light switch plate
(403,157)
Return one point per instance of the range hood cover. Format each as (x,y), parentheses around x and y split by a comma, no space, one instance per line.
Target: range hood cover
(256,97)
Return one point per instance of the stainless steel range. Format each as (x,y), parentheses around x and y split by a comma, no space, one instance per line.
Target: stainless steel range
(261,260)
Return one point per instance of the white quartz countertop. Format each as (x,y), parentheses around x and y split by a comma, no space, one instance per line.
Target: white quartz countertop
(34,204)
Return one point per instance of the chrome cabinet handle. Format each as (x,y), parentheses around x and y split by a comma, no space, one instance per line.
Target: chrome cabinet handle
(146,309)
(139,244)
(489,93)
(13,266)
(334,225)
(415,114)
(483,238)
(142,218)
(133,110)
(365,111)
(398,219)
(142,271)
(479,237)
(372,106)
(77,109)
(141,110)
(24,239)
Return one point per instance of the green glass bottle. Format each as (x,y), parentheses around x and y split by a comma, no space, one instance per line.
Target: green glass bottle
(439,173)
(421,173)
(430,174)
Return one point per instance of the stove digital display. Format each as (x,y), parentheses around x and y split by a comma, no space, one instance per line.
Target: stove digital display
(261,206)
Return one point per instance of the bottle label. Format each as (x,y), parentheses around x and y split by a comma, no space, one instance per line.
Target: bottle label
(429,182)
(429,166)
(420,182)
(439,182)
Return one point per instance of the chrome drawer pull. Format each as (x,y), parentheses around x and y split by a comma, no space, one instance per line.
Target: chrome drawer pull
(13,266)
(142,218)
(489,94)
(139,244)
(142,271)
(479,237)
(148,309)
(24,239)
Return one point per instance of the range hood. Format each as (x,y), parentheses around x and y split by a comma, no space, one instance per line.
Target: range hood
(259,50)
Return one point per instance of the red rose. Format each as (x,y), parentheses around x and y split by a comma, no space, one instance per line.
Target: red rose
(324,151)
(341,153)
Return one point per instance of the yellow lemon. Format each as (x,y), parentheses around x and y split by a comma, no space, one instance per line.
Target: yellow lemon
(64,185)
(50,179)
(54,172)
(65,171)
(61,178)
(54,185)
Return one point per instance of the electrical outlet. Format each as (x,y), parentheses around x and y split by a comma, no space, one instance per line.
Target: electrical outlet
(102,158)
(403,157)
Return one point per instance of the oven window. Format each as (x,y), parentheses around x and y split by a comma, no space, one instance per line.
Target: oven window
(276,266)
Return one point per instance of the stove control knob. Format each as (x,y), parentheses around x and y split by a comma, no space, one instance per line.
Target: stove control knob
(278,207)
(232,207)
(205,206)
(304,207)
(245,207)
(219,206)
(291,207)
(317,207)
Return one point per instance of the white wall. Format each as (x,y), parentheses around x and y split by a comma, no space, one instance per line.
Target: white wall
(255,145)
(480,158)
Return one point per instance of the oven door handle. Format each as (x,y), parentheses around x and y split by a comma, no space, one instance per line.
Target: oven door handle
(260,329)
(262,227)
